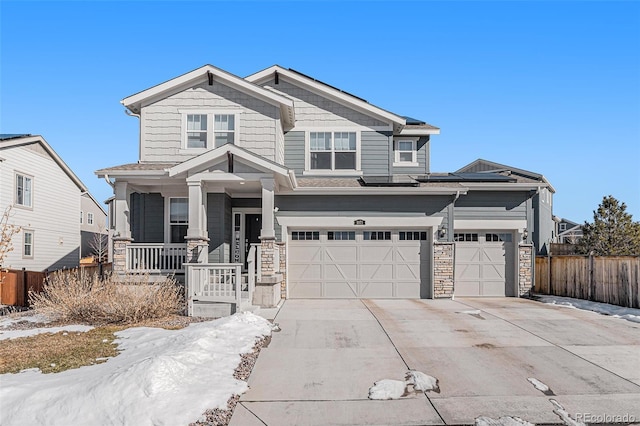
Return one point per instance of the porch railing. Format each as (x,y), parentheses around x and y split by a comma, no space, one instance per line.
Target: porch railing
(215,282)
(149,257)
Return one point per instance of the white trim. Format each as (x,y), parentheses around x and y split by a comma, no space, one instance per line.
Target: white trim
(24,176)
(397,151)
(210,113)
(242,211)
(406,164)
(33,238)
(359,190)
(335,172)
(499,224)
(167,215)
(418,132)
(347,222)
(505,186)
(329,92)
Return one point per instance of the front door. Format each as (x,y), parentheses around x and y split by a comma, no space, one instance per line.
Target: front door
(252,228)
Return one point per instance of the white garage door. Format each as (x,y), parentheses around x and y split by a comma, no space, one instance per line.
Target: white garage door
(357,264)
(484,263)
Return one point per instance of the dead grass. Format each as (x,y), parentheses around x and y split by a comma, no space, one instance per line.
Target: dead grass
(74,297)
(53,353)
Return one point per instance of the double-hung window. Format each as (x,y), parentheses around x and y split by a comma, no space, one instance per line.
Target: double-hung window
(332,151)
(405,153)
(24,190)
(210,130)
(27,243)
(178,219)
(89,218)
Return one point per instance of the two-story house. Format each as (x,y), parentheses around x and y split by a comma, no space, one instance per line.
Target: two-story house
(46,199)
(334,193)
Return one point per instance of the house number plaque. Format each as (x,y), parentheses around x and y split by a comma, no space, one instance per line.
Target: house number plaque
(359,222)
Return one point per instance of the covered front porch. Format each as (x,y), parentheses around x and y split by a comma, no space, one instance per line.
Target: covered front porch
(209,221)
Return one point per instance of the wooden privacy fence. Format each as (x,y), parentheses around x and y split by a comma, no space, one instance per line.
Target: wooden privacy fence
(607,279)
(16,285)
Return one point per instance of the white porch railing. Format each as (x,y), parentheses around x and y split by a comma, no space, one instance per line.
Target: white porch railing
(216,282)
(150,257)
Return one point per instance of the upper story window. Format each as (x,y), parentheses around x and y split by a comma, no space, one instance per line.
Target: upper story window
(563,227)
(333,151)
(209,130)
(24,190)
(406,153)
(89,218)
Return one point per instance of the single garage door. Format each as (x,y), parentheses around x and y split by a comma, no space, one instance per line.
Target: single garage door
(357,264)
(484,263)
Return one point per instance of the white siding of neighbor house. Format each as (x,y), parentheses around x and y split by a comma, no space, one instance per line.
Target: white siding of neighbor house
(99,216)
(161,122)
(55,215)
(313,110)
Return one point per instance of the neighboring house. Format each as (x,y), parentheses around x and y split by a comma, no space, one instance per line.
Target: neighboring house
(335,193)
(46,198)
(568,232)
(93,228)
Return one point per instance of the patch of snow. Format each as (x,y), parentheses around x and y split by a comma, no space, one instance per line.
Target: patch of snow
(160,377)
(538,384)
(502,421)
(629,314)
(387,389)
(422,382)
(10,320)
(14,334)
(564,415)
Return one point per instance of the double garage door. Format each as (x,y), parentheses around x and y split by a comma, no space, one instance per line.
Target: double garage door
(484,263)
(386,263)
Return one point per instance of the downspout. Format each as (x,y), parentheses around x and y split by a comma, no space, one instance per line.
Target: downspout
(111,184)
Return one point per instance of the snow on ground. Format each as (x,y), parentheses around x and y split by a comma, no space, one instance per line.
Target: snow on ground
(10,320)
(538,384)
(422,382)
(564,414)
(14,334)
(387,389)
(630,314)
(161,377)
(502,421)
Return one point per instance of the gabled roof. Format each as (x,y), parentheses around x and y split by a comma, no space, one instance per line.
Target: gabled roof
(10,141)
(328,91)
(205,73)
(220,153)
(485,166)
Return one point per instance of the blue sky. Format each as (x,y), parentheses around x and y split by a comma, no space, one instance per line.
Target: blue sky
(552,87)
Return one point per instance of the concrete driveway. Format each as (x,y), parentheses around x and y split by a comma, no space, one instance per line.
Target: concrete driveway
(318,369)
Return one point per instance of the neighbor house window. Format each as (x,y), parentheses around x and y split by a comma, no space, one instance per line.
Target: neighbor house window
(406,153)
(27,243)
(24,190)
(224,128)
(563,227)
(89,218)
(178,219)
(81,217)
(196,131)
(332,150)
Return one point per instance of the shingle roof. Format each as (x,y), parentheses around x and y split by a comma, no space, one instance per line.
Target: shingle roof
(328,182)
(137,167)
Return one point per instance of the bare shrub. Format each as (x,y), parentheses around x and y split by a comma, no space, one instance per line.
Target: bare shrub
(74,297)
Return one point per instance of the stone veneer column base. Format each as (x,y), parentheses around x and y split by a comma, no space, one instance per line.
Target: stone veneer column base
(119,258)
(525,269)
(197,250)
(283,269)
(443,278)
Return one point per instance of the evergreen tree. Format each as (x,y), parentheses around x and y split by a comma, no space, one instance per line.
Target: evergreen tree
(613,231)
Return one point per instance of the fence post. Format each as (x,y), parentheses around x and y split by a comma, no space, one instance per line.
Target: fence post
(25,291)
(590,292)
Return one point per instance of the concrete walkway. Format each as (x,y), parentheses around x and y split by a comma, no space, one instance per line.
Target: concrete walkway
(318,369)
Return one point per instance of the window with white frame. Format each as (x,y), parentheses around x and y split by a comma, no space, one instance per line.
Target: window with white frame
(178,219)
(332,151)
(89,218)
(24,190)
(405,152)
(27,243)
(199,134)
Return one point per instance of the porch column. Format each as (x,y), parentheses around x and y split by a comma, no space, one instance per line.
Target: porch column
(267,231)
(197,238)
(122,234)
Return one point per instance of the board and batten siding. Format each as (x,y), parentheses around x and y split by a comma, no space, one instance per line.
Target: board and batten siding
(294,151)
(161,122)
(491,205)
(219,227)
(54,217)
(313,110)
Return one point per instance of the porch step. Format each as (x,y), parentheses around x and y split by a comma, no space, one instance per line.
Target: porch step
(221,309)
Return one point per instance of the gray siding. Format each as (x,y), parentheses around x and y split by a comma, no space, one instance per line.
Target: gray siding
(313,110)
(161,122)
(219,227)
(294,151)
(491,205)
(422,156)
(375,153)
(147,218)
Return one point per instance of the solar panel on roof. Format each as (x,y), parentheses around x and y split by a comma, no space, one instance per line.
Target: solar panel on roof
(466,177)
(413,121)
(388,181)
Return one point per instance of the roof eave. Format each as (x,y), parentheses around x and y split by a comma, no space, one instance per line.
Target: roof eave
(418,132)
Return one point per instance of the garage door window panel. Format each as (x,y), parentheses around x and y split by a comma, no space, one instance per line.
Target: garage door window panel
(412,236)
(376,235)
(341,235)
(305,235)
